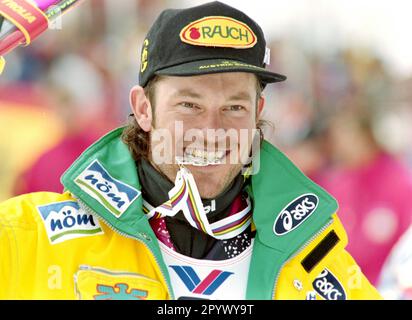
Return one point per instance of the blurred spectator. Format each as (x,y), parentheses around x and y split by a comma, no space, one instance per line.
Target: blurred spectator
(310,154)
(44,174)
(79,104)
(28,127)
(373,189)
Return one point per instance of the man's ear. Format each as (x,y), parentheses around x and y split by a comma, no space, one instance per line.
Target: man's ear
(141,108)
(260,106)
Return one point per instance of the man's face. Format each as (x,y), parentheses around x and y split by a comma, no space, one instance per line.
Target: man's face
(206,117)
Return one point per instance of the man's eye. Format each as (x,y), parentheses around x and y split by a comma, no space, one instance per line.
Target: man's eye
(236,108)
(189,105)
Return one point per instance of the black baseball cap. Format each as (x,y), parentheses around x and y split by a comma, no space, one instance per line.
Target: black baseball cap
(210,38)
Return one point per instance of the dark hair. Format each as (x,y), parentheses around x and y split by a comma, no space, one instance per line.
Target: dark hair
(133,135)
(138,140)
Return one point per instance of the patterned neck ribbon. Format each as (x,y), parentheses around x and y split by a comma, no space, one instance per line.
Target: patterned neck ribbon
(185,197)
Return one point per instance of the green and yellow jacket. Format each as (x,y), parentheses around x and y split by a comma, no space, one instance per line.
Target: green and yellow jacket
(94,240)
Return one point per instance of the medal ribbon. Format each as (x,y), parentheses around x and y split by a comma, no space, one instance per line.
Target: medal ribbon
(185,197)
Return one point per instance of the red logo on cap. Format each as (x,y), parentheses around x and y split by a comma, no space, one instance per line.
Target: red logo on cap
(194,33)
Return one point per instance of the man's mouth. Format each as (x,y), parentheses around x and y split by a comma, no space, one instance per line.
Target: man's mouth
(201,157)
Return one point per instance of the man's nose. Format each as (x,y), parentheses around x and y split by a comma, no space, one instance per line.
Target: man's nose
(212,120)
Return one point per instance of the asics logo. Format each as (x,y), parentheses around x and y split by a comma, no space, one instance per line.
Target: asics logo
(328,286)
(295,213)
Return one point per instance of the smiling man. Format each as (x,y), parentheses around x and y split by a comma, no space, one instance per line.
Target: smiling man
(188,201)
(210,109)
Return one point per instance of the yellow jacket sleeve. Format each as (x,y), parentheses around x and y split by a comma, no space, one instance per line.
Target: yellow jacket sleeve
(357,286)
(8,263)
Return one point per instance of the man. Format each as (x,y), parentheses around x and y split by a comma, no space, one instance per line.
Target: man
(167,209)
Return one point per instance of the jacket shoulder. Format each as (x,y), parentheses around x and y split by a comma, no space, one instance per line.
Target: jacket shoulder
(321,249)
(20,233)
(25,210)
(326,270)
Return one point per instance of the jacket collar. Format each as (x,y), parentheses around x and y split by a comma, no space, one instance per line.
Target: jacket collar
(105,178)
(281,192)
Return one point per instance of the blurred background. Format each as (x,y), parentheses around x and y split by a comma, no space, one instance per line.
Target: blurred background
(343,116)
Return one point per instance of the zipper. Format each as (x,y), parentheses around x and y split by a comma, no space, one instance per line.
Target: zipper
(141,234)
(303,247)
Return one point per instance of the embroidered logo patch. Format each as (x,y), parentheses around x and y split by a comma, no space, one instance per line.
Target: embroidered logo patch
(65,220)
(114,195)
(143,64)
(98,283)
(207,286)
(328,286)
(215,31)
(295,213)
(120,291)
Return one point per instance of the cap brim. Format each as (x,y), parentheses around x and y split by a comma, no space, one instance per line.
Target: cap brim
(217,66)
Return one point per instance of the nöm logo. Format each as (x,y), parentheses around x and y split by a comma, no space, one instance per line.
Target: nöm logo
(113,194)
